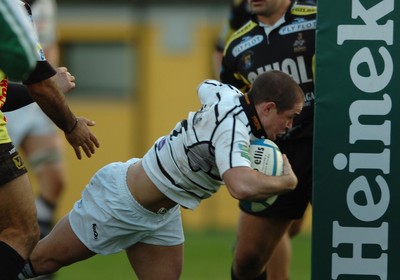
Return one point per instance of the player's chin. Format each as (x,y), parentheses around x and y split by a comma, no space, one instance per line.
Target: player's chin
(257,4)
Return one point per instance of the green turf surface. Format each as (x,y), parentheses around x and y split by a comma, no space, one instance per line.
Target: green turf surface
(208,256)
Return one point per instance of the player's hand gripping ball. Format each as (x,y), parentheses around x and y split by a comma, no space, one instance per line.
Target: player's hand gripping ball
(265,157)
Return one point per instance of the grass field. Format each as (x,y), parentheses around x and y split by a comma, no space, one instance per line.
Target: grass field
(208,256)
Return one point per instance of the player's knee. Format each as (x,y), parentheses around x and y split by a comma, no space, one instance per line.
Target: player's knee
(40,159)
(295,228)
(248,264)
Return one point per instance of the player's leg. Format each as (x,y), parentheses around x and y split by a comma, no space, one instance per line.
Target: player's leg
(44,150)
(158,254)
(278,266)
(19,231)
(156,262)
(58,249)
(291,205)
(257,238)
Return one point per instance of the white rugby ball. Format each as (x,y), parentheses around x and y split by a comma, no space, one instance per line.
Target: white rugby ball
(265,157)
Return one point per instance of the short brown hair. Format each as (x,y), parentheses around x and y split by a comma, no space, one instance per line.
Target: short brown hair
(278,87)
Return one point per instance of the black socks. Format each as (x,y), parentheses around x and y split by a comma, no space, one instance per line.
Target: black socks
(11,263)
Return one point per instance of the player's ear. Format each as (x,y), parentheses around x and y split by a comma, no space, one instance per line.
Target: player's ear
(268,106)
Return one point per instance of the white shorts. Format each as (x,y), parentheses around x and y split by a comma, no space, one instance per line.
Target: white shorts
(107,219)
(26,121)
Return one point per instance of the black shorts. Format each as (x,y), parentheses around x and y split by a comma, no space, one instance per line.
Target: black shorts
(11,164)
(292,205)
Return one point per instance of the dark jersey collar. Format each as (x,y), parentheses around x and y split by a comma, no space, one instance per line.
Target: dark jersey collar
(251,113)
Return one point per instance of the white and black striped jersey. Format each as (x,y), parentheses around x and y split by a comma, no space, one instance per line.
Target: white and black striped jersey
(187,165)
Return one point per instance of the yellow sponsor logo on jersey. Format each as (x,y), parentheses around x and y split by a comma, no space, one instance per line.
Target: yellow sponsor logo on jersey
(18,162)
(304,10)
(243,30)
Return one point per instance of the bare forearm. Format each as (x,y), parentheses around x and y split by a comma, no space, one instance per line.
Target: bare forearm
(52,101)
(246,183)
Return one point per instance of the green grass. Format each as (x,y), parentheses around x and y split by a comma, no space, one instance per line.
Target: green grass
(208,256)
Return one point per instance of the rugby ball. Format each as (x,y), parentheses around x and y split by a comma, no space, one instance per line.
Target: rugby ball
(265,157)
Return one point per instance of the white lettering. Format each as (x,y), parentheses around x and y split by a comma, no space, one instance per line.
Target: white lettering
(373,82)
(357,264)
(380,132)
(369,211)
(295,68)
(367,202)
(371,30)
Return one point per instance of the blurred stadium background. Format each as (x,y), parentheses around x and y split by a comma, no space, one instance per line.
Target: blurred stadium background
(137,65)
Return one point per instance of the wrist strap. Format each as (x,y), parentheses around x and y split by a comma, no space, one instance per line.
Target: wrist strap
(72,129)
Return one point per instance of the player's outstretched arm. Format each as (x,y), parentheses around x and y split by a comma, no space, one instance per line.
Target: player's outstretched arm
(64,80)
(53,103)
(81,137)
(18,94)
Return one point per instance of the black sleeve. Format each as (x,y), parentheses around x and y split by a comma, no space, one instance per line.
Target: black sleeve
(17,97)
(42,71)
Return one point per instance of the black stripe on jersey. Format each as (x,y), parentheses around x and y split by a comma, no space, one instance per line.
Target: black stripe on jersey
(211,151)
(184,124)
(28,8)
(193,121)
(166,175)
(235,89)
(221,121)
(233,141)
(216,111)
(233,136)
(199,160)
(218,122)
(210,82)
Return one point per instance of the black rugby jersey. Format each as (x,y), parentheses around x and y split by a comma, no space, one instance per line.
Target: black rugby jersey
(289,47)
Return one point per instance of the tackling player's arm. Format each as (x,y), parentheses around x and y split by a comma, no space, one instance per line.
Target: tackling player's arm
(17,97)
(46,93)
(53,103)
(18,94)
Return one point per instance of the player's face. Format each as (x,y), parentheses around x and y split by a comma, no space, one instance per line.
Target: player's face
(278,123)
(265,8)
